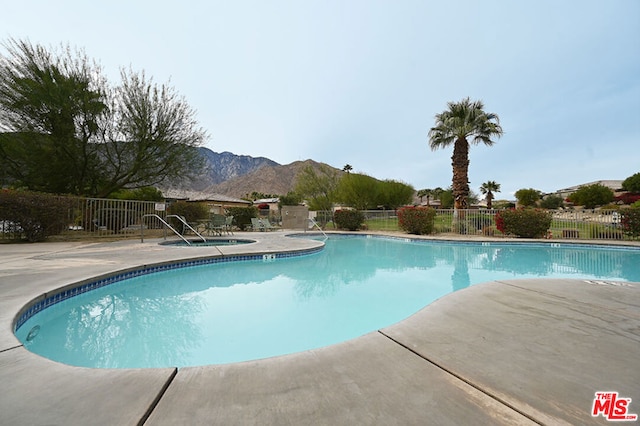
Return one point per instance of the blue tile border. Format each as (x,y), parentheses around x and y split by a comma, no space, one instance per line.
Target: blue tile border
(45,301)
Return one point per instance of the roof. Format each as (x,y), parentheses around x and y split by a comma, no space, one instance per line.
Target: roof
(614,185)
(266,200)
(202,196)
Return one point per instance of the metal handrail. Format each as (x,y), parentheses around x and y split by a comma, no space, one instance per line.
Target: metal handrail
(181,219)
(165,224)
(318,226)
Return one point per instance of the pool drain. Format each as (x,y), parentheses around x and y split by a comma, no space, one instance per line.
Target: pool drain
(33,333)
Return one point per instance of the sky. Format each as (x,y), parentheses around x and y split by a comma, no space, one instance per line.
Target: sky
(359,82)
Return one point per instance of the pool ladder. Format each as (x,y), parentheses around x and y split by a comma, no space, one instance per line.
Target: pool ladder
(165,223)
(315,224)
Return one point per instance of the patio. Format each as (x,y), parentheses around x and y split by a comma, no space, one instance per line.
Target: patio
(511,352)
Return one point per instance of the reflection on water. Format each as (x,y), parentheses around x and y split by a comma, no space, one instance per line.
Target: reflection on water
(248,310)
(136,327)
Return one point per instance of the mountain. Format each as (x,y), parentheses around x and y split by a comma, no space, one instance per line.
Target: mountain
(218,168)
(238,175)
(221,167)
(279,179)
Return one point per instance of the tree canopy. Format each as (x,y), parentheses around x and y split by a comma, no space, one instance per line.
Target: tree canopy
(528,197)
(632,183)
(394,194)
(462,121)
(64,129)
(358,191)
(364,192)
(318,187)
(591,196)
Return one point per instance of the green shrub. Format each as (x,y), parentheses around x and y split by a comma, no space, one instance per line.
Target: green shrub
(36,216)
(417,220)
(242,216)
(552,202)
(527,223)
(192,212)
(630,221)
(350,220)
(591,196)
(148,193)
(610,207)
(527,197)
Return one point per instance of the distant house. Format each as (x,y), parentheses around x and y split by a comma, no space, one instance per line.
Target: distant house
(431,203)
(217,202)
(614,185)
(272,204)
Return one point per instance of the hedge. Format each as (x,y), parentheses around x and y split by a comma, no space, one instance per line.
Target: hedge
(416,220)
(350,220)
(35,215)
(524,222)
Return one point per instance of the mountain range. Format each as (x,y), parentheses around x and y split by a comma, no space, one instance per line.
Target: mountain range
(238,176)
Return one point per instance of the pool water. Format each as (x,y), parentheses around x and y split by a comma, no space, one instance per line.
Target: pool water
(238,311)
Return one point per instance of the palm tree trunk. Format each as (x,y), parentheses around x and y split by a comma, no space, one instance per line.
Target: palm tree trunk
(460,184)
(460,163)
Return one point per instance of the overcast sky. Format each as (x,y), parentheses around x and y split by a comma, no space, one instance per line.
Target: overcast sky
(359,82)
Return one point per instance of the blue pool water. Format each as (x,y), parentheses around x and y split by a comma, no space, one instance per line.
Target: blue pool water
(237,311)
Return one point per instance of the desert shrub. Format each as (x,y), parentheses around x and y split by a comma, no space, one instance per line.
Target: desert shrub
(503,204)
(148,193)
(527,223)
(630,221)
(417,220)
(591,196)
(628,198)
(527,196)
(192,212)
(632,183)
(610,207)
(552,202)
(36,215)
(350,220)
(242,216)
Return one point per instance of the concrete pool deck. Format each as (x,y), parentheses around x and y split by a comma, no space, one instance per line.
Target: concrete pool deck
(529,351)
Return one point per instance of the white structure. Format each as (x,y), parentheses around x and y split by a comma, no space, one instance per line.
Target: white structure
(614,185)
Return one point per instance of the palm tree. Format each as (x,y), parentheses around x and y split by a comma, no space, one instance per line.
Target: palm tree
(436,193)
(464,119)
(347,168)
(424,193)
(487,189)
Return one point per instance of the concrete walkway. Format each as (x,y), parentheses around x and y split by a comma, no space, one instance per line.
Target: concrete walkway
(509,352)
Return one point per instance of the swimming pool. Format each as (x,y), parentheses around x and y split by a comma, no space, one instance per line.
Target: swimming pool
(251,309)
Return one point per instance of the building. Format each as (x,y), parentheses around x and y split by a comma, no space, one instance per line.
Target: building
(217,202)
(614,185)
(272,203)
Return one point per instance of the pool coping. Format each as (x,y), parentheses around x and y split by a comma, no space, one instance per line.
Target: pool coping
(159,396)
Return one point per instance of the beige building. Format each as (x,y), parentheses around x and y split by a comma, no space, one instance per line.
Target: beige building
(217,202)
(614,185)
